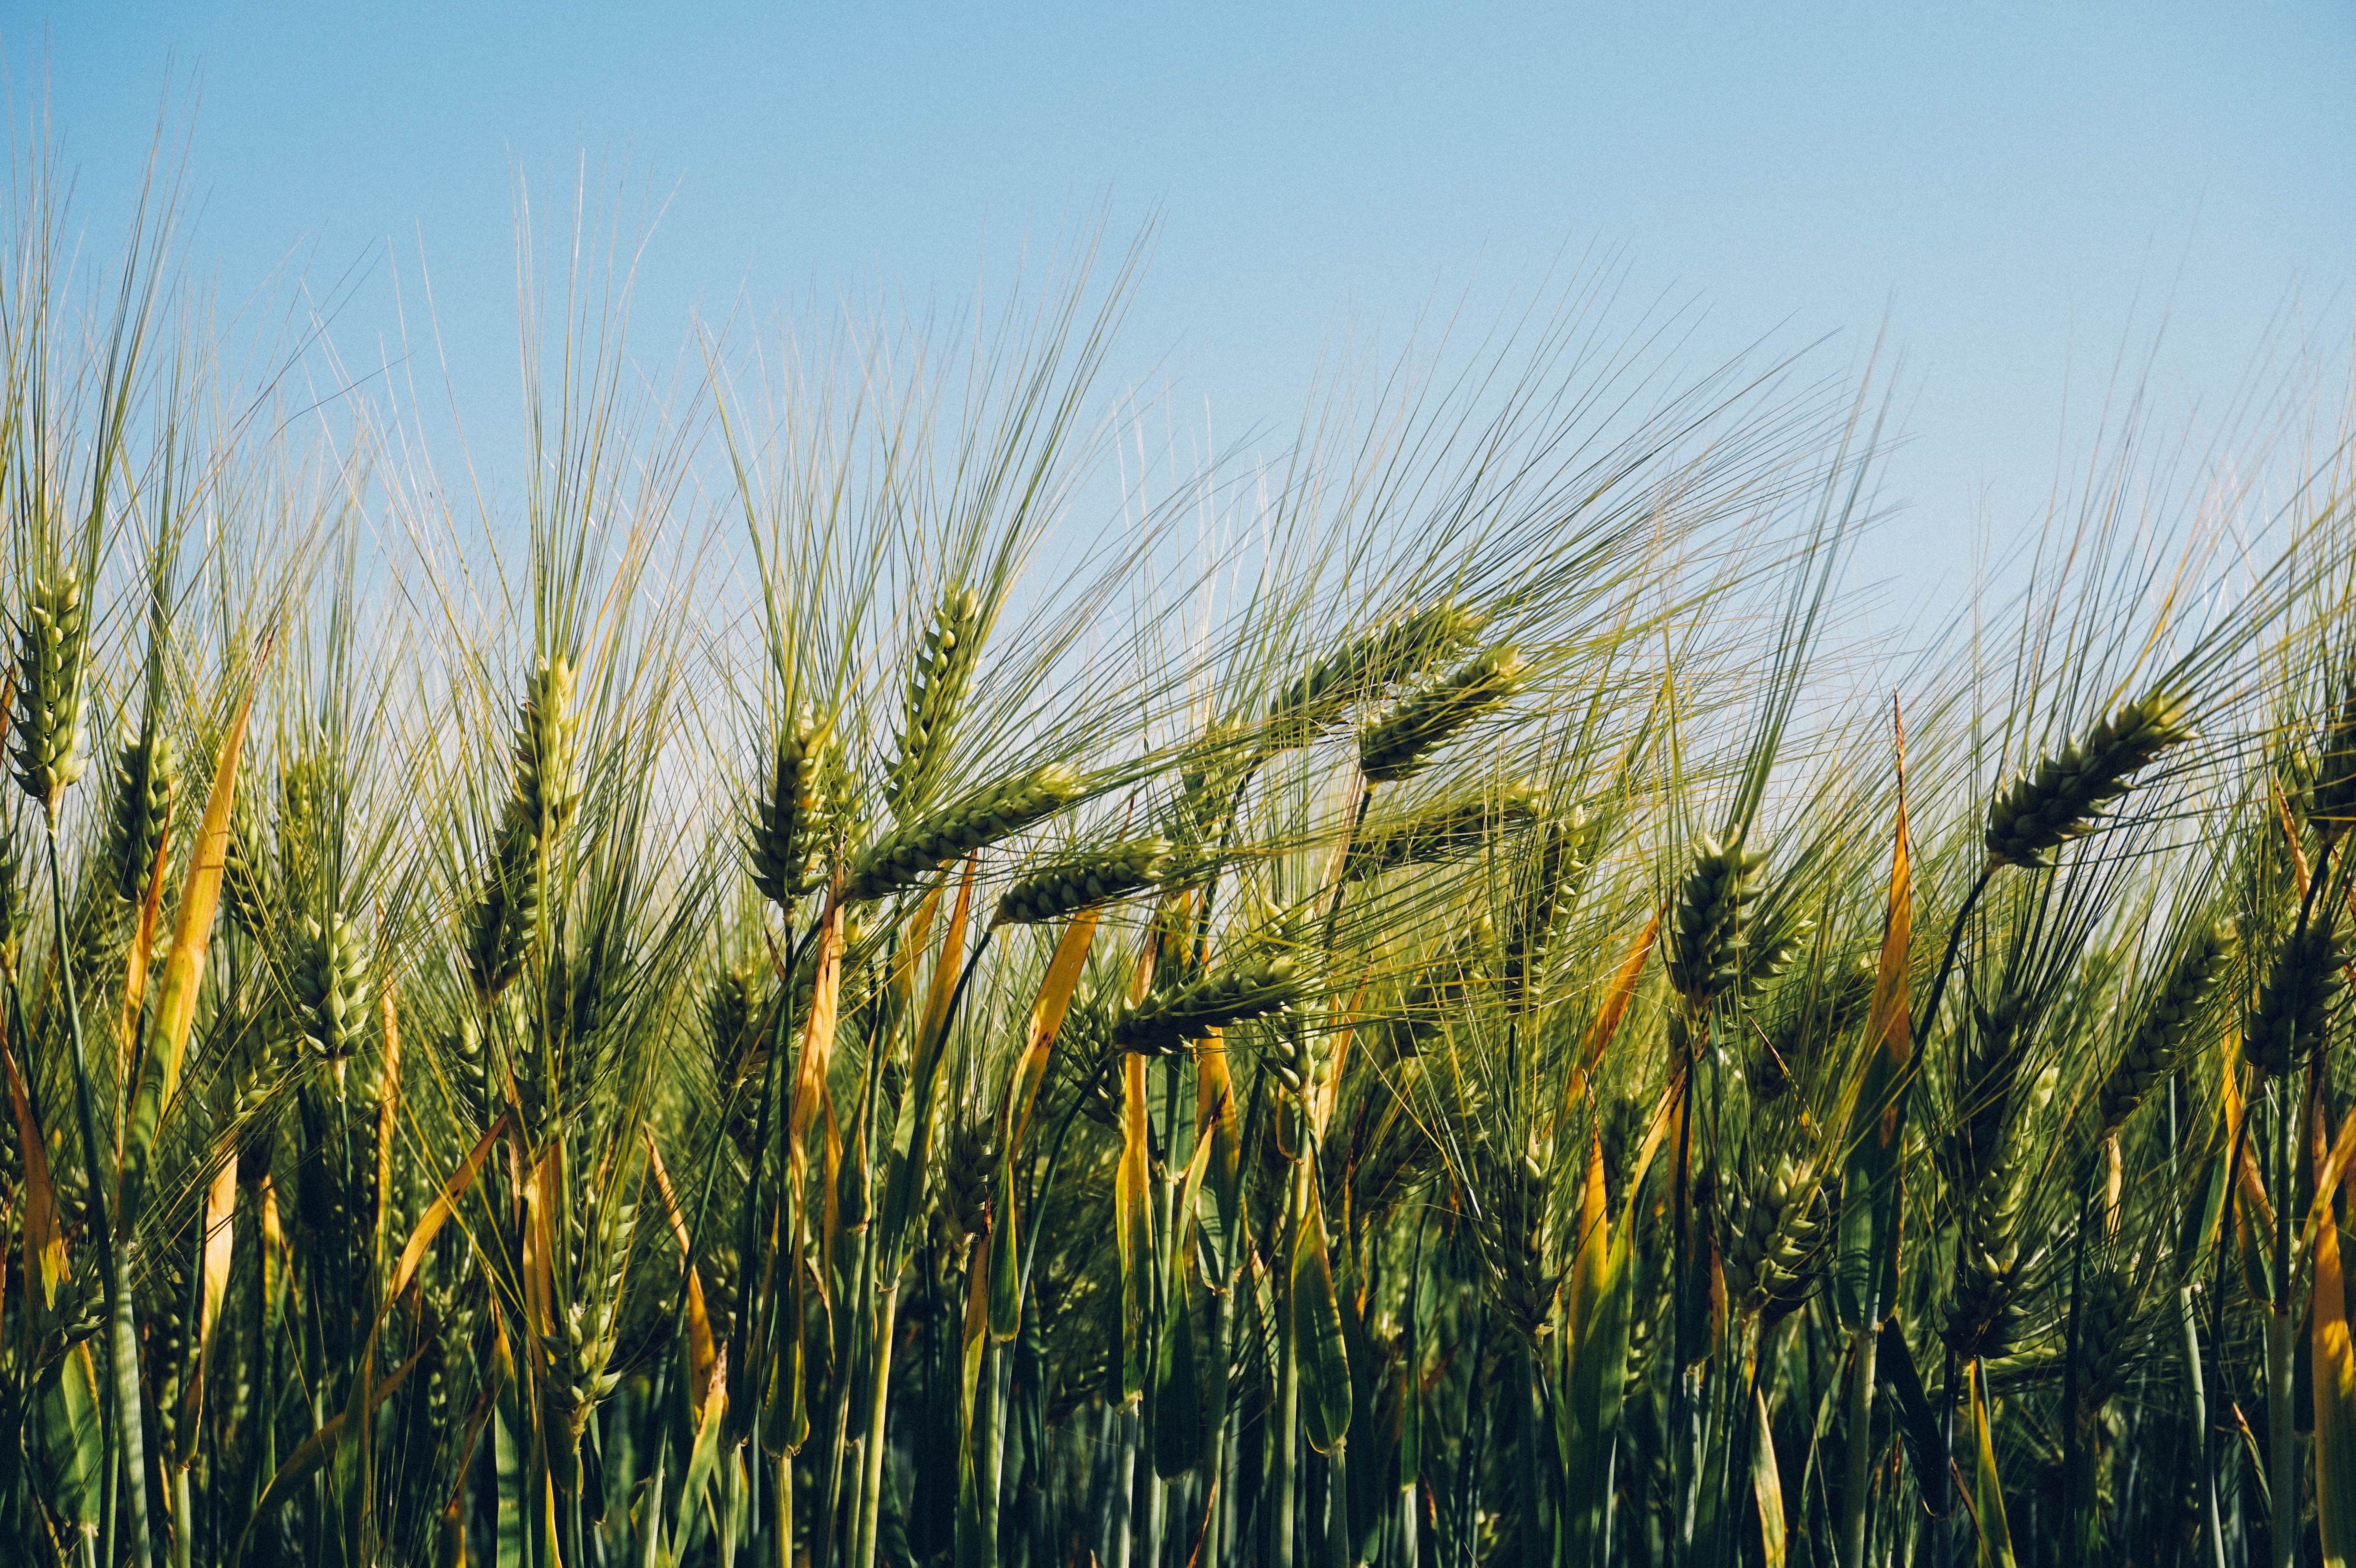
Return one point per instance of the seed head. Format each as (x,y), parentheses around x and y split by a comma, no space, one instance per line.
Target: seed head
(1209,778)
(245,870)
(1983,1315)
(541,800)
(52,645)
(146,776)
(1450,831)
(1401,744)
(501,919)
(934,700)
(2157,1043)
(1789,1052)
(15,895)
(994,812)
(1364,668)
(2294,1005)
(789,820)
(332,989)
(2106,1334)
(1093,876)
(1511,1230)
(1991,1069)
(1165,1022)
(2332,806)
(1778,1229)
(1560,862)
(963,1196)
(1706,939)
(2064,797)
(546,791)
(1440,990)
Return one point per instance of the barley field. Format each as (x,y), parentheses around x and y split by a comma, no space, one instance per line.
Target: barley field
(1432,1002)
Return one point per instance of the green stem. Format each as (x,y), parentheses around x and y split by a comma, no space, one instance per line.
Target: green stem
(782,1527)
(1337,1505)
(1285,1431)
(2201,1426)
(879,1390)
(1859,1439)
(129,1439)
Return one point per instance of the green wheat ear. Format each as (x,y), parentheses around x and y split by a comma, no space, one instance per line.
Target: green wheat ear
(546,792)
(146,779)
(2064,799)
(1401,744)
(542,799)
(1166,1023)
(1707,934)
(332,988)
(1512,1234)
(52,645)
(789,818)
(1788,1054)
(2294,1004)
(1364,668)
(245,869)
(1449,831)
(1559,864)
(15,895)
(934,700)
(998,811)
(1082,880)
(1440,990)
(1778,1228)
(2157,1044)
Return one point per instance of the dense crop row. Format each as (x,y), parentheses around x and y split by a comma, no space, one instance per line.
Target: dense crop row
(1435,1033)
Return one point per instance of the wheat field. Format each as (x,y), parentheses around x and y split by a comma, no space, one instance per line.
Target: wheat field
(1433,1002)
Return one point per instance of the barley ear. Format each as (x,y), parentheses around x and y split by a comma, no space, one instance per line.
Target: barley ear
(1511,1232)
(789,818)
(1707,934)
(1778,1235)
(52,649)
(1452,830)
(2294,1004)
(1402,745)
(15,895)
(1560,862)
(333,992)
(1361,669)
(2160,1036)
(245,871)
(2063,796)
(934,700)
(546,792)
(146,779)
(907,856)
(1083,881)
(542,799)
(1166,1023)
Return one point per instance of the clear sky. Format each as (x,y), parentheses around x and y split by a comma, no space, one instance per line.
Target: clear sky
(2019,192)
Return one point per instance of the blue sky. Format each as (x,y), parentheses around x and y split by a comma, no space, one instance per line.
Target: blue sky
(2020,193)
